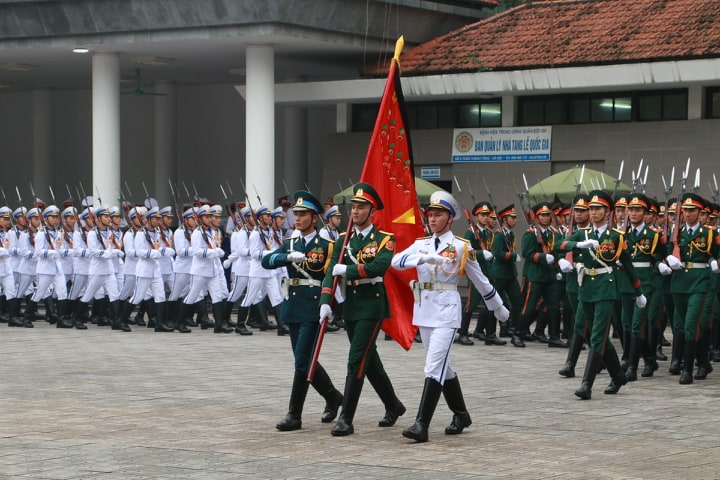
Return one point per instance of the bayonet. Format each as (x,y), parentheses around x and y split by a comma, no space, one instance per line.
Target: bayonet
(52,195)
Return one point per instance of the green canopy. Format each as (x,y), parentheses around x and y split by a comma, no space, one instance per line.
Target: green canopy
(423,187)
(561,186)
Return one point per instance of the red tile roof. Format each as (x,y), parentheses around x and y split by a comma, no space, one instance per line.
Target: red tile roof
(572,33)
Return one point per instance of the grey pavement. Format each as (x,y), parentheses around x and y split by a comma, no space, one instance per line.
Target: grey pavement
(99,404)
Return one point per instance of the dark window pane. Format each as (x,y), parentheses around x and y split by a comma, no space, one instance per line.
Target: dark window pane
(675,106)
(364,117)
(490,114)
(623,109)
(601,109)
(469,115)
(532,112)
(650,107)
(580,110)
(715,105)
(426,116)
(555,111)
(446,119)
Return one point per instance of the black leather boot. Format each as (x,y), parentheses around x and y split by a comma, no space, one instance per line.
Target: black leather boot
(650,354)
(625,342)
(30,312)
(521,331)
(118,321)
(282,329)
(4,313)
(594,361)
(241,328)
(219,311)
(139,318)
(181,316)
(293,420)
(677,353)
(688,364)
(633,359)
(428,402)
(333,398)
(383,387)
(481,326)
(703,355)
(344,425)
(491,337)
(554,330)
(15,319)
(202,315)
(51,310)
(617,376)
(161,322)
(456,402)
(262,312)
(152,313)
(463,338)
(64,317)
(576,343)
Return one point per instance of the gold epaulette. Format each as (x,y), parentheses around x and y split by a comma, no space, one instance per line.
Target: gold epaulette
(463,239)
(619,231)
(342,234)
(585,228)
(423,238)
(386,233)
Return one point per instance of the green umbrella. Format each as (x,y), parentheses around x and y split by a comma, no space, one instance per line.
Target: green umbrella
(561,186)
(423,187)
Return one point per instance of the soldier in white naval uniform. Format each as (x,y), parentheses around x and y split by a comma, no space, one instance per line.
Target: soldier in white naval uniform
(7,277)
(182,243)
(239,263)
(441,260)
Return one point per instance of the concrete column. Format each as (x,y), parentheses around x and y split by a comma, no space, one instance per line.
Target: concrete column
(294,168)
(508,110)
(165,142)
(106,127)
(260,123)
(343,113)
(43,171)
(696,102)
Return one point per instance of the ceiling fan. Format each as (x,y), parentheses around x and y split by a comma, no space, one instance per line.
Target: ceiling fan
(139,91)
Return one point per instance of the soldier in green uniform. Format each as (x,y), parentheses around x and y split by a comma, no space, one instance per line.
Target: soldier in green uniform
(647,251)
(306,256)
(504,267)
(693,259)
(538,245)
(580,332)
(482,238)
(599,248)
(367,257)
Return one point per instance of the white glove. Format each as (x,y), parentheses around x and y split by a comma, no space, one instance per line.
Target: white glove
(69,252)
(565,266)
(487,255)
(518,258)
(432,259)
(219,252)
(169,252)
(120,253)
(714,266)
(588,244)
(339,269)
(618,263)
(4,252)
(325,312)
(227,263)
(154,254)
(664,269)
(558,276)
(263,253)
(673,262)
(501,313)
(296,257)
(641,301)
(52,254)
(550,259)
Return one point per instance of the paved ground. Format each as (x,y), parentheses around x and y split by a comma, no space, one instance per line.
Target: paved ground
(104,405)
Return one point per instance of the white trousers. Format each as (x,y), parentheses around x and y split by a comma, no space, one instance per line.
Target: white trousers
(107,282)
(239,284)
(199,286)
(43,289)
(437,342)
(259,287)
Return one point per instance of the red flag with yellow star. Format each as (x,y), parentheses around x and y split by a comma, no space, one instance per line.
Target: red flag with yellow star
(389,168)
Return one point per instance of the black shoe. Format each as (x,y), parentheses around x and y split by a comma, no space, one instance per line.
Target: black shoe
(479,335)
(584,392)
(702,373)
(568,371)
(342,428)
(459,423)
(328,328)
(241,329)
(392,415)
(659,355)
(556,343)
(664,342)
(624,364)
(615,384)
(222,329)
(540,337)
(492,339)
(716,355)
(289,423)
(674,367)
(686,378)
(631,374)
(464,340)
(332,407)
(649,369)
(517,342)
(504,330)
(282,330)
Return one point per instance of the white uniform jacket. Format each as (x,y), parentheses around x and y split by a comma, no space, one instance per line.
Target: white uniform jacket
(48,255)
(437,300)
(26,251)
(101,252)
(81,254)
(128,242)
(183,251)
(149,249)
(240,253)
(206,253)
(5,266)
(256,250)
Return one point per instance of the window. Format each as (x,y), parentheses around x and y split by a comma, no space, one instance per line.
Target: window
(713,102)
(662,105)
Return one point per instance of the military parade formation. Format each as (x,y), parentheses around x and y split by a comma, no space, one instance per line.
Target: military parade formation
(607,264)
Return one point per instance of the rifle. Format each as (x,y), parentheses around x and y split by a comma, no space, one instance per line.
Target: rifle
(195,214)
(473,226)
(5,202)
(678,211)
(176,203)
(254,214)
(536,225)
(42,219)
(668,191)
(494,207)
(611,217)
(237,213)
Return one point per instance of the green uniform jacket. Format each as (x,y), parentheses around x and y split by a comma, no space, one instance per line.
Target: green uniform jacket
(373,255)
(302,302)
(535,267)
(600,287)
(488,238)
(504,264)
(646,247)
(698,249)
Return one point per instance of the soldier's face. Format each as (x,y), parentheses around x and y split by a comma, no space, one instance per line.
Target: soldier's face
(70,222)
(265,219)
(153,222)
(116,221)
(510,221)
(637,215)
(22,221)
(361,214)
(4,223)
(304,221)
(216,221)
(492,222)
(597,215)
(439,220)
(190,223)
(104,220)
(691,215)
(620,213)
(544,219)
(206,221)
(278,222)
(334,221)
(650,218)
(167,221)
(53,220)
(482,219)
(703,217)
(582,216)
(35,222)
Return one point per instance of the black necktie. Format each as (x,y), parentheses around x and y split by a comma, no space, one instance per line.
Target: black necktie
(597,233)
(302,243)
(360,236)
(637,232)
(437,243)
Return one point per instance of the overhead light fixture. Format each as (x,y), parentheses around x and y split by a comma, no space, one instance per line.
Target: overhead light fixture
(81,50)
(241,72)
(16,67)
(150,61)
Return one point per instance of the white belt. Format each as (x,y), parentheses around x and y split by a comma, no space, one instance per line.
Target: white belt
(286,283)
(642,264)
(695,265)
(432,286)
(364,281)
